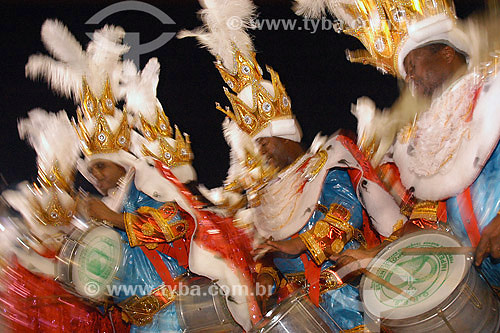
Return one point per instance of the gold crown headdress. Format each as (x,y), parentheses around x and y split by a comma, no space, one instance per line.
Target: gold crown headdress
(56,146)
(383,26)
(80,74)
(110,130)
(150,119)
(264,107)
(224,34)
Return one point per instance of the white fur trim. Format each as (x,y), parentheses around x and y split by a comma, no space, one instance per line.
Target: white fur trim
(281,128)
(208,264)
(438,28)
(380,205)
(470,157)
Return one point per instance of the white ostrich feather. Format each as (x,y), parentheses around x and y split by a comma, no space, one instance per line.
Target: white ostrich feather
(225,22)
(311,8)
(61,43)
(53,138)
(140,89)
(64,72)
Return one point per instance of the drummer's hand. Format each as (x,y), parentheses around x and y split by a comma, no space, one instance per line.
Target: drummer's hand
(490,241)
(265,283)
(98,210)
(352,261)
(290,246)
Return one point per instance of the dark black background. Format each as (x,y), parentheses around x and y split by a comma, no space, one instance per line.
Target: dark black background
(321,83)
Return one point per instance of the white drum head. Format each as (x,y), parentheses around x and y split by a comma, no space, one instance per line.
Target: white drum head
(429,278)
(96,261)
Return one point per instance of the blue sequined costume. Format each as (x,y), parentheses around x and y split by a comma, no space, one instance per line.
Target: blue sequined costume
(342,304)
(485,195)
(139,273)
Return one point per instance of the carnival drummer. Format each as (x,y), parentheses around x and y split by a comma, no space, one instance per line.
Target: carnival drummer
(311,206)
(447,155)
(144,197)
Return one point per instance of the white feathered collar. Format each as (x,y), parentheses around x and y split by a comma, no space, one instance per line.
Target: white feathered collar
(445,150)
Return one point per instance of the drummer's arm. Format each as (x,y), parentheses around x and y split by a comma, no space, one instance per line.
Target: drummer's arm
(95,208)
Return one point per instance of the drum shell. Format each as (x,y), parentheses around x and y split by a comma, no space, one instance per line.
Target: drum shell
(205,311)
(294,314)
(471,307)
(72,247)
(64,258)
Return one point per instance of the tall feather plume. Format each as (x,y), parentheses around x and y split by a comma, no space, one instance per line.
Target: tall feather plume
(53,138)
(312,8)
(70,63)
(140,89)
(225,22)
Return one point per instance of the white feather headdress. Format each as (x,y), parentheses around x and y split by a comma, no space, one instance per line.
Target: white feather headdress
(53,138)
(224,28)
(64,72)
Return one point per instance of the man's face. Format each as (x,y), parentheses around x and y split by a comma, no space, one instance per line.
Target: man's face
(278,151)
(427,69)
(106,173)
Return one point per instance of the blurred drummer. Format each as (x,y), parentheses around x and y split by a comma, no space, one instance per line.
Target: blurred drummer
(448,155)
(144,198)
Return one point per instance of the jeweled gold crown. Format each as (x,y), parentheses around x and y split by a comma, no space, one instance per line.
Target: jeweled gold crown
(91,104)
(265,107)
(161,127)
(173,155)
(101,139)
(53,212)
(245,71)
(382,26)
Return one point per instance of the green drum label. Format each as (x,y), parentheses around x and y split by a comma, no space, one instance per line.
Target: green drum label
(421,276)
(97,264)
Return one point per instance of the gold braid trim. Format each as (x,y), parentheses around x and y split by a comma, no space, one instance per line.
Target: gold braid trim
(129,221)
(339,216)
(425,210)
(171,231)
(312,245)
(140,311)
(271,272)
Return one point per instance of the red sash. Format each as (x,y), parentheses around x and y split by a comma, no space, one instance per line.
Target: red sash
(468,217)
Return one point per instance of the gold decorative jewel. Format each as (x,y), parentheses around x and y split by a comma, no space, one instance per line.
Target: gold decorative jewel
(172,156)
(265,108)
(91,104)
(337,246)
(102,139)
(317,253)
(161,128)
(382,26)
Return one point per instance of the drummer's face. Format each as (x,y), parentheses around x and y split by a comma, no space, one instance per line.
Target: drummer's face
(106,173)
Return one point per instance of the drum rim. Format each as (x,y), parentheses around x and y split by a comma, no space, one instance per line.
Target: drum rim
(468,264)
(273,320)
(73,243)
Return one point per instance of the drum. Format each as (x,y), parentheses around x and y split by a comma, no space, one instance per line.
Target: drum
(201,307)
(294,314)
(448,293)
(89,261)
